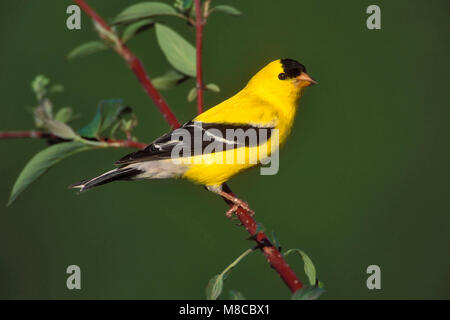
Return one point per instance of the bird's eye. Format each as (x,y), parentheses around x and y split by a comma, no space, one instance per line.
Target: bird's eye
(282,76)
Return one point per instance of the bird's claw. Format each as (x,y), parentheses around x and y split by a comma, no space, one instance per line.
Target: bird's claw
(244,205)
(238,203)
(232,210)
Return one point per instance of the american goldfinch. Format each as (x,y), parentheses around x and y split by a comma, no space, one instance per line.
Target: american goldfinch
(218,144)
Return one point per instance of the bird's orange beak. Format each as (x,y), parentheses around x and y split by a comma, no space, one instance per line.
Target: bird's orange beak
(304,80)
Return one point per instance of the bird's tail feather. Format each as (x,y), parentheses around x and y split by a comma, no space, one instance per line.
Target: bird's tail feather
(113,175)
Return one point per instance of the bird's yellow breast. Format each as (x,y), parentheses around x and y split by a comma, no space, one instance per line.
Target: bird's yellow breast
(217,168)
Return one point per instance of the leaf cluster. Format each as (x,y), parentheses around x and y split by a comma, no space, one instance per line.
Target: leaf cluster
(312,291)
(112,116)
(179,52)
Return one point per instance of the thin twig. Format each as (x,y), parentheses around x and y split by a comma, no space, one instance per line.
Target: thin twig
(199,46)
(126,143)
(272,254)
(46,135)
(24,134)
(136,66)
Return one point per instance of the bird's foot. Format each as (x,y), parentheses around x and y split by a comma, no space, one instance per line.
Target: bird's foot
(232,200)
(236,204)
(231,211)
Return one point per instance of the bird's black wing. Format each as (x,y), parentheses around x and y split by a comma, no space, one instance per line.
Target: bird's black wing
(194,137)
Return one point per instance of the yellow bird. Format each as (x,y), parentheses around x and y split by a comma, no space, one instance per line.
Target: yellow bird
(235,135)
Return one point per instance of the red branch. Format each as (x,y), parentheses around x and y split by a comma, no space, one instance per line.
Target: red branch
(126,143)
(136,66)
(23,134)
(272,254)
(199,44)
(41,134)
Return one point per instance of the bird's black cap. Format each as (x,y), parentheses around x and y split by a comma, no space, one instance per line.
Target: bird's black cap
(292,68)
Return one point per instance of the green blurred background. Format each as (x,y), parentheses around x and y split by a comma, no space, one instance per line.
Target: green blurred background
(363,179)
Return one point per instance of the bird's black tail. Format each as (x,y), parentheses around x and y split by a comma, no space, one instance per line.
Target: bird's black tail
(107,177)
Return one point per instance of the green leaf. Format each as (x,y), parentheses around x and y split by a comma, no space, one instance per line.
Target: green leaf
(310,270)
(43,112)
(108,35)
(92,129)
(134,28)
(236,295)
(308,293)
(64,114)
(41,162)
(112,110)
(39,83)
(108,112)
(60,129)
(87,49)
(215,285)
(213,87)
(214,288)
(192,94)
(168,80)
(114,129)
(275,241)
(56,88)
(227,9)
(39,86)
(179,52)
(183,5)
(145,10)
